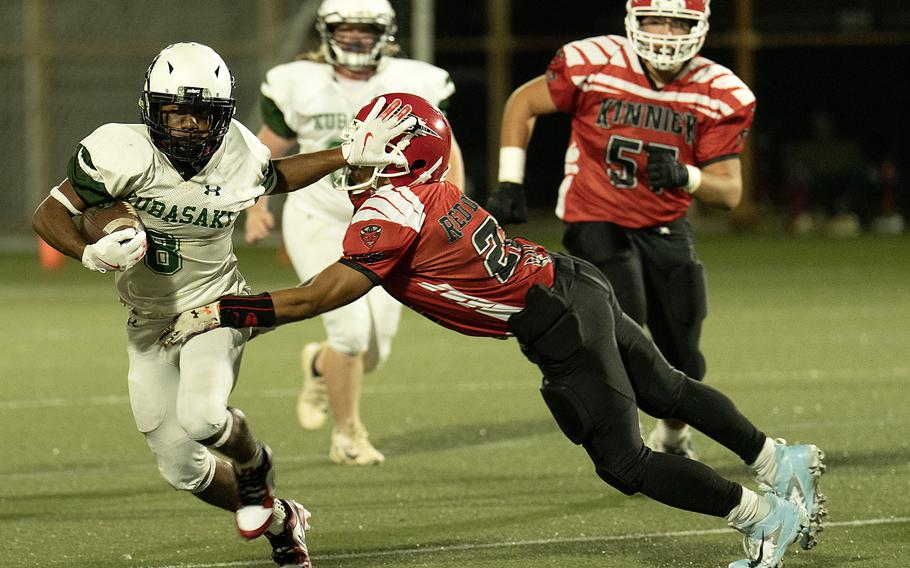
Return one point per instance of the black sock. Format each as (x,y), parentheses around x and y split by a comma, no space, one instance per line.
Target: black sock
(712,413)
(689,485)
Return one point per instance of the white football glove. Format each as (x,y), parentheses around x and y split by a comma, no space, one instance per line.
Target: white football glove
(364,143)
(190,324)
(118,251)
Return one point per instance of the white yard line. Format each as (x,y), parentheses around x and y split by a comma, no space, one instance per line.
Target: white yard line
(543,541)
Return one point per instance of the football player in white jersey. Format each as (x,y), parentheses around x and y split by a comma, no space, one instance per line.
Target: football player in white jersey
(189,171)
(306,103)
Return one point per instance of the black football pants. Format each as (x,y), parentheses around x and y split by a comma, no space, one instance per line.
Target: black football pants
(611,368)
(658,281)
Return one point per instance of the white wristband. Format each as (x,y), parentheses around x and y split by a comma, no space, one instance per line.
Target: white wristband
(512,164)
(694,180)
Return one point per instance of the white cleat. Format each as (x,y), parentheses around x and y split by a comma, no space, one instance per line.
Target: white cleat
(766,541)
(313,400)
(352,447)
(799,469)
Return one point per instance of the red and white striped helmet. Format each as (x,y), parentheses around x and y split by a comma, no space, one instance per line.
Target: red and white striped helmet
(667,51)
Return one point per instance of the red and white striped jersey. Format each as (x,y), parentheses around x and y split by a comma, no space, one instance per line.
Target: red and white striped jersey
(442,255)
(619,117)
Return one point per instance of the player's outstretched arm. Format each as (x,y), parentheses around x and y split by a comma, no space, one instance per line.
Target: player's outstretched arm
(365,144)
(336,286)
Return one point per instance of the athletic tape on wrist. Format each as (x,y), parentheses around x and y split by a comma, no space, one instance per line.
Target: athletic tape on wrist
(512,164)
(694,179)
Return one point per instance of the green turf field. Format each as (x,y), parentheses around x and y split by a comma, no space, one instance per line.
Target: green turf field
(809,337)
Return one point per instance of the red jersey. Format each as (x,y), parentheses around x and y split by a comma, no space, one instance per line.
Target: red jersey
(618,117)
(439,253)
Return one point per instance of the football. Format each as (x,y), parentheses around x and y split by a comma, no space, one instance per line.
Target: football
(106,218)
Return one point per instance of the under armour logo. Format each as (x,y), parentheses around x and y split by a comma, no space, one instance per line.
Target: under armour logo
(213,190)
(195,314)
(132,322)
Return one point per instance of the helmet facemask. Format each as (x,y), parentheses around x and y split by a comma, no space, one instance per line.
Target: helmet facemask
(197,137)
(376,15)
(666,52)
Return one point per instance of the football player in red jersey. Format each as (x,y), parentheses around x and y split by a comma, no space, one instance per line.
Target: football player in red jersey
(654,125)
(439,253)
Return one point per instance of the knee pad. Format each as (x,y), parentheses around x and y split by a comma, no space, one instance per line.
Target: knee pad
(201,420)
(689,302)
(568,410)
(581,403)
(349,342)
(626,486)
(620,463)
(186,465)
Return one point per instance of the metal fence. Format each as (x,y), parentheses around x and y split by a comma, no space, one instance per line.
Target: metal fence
(68,66)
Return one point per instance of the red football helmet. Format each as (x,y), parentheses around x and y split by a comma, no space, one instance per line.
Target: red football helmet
(667,51)
(426,146)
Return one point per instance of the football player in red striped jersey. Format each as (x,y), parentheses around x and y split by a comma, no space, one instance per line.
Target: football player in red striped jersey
(439,253)
(654,125)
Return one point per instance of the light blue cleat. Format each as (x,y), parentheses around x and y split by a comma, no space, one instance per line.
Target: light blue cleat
(798,471)
(766,541)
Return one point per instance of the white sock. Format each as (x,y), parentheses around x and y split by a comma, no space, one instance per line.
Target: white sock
(765,464)
(751,509)
(279,514)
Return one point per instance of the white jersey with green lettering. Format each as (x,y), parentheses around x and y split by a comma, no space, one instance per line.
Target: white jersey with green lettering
(190,260)
(306,101)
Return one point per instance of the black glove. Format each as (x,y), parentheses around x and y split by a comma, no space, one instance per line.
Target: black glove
(664,172)
(507,203)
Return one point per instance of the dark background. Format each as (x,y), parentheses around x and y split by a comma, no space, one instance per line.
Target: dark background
(805,65)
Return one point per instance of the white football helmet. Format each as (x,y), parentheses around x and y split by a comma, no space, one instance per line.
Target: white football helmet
(667,51)
(197,79)
(377,13)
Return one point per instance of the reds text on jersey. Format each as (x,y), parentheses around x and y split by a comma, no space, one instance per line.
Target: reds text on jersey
(439,253)
(619,117)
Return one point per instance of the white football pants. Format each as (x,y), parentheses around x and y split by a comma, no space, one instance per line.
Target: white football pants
(180,395)
(364,327)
